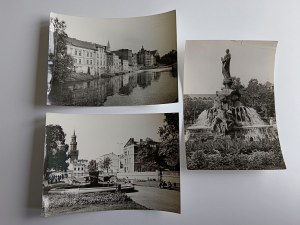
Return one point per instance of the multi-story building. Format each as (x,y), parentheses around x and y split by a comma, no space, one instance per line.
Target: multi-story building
(124,65)
(130,152)
(134,61)
(124,54)
(146,58)
(89,58)
(155,55)
(113,63)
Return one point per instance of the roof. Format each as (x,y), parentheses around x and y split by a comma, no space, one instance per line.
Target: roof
(154,52)
(130,142)
(82,44)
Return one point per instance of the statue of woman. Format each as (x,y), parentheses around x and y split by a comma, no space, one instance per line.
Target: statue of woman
(226,64)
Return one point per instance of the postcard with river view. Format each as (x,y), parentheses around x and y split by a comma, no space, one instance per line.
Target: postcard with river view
(112,62)
(111,162)
(229,106)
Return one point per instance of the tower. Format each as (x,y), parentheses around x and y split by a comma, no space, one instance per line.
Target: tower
(108,46)
(73,148)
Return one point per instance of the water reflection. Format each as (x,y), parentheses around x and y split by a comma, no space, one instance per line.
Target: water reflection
(147,87)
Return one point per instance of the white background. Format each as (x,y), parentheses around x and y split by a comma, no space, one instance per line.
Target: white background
(208,197)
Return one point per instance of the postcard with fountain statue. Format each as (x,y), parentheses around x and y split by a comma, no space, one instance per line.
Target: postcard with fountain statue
(229,107)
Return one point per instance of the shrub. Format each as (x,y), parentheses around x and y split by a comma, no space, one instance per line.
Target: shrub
(233,154)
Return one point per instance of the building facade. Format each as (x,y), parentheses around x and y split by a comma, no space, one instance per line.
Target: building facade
(124,65)
(89,58)
(130,151)
(146,58)
(124,54)
(114,166)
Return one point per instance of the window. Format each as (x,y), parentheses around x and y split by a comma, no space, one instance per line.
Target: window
(74,168)
(91,61)
(91,54)
(87,61)
(87,54)
(75,52)
(81,168)
(79,61)
(80,53)
(97,55)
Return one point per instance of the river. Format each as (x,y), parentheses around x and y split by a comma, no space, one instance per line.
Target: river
(138,88)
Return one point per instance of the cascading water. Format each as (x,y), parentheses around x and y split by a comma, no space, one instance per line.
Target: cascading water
(243,115)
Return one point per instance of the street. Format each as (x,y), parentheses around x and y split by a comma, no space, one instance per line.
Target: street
(158,199)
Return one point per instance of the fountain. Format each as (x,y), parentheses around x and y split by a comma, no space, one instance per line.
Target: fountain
(229,118)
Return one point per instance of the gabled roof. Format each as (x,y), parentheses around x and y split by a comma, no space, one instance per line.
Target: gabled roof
(81,44)
(130,142)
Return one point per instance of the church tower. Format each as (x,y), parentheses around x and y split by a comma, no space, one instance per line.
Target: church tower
(108,47)
(74,152)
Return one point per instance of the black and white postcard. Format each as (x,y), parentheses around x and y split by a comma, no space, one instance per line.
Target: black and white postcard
(229,107)
(111,162)
(112,62)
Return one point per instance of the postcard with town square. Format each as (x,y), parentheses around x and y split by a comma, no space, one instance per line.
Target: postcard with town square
(229,106)
(112,62)
(111,162)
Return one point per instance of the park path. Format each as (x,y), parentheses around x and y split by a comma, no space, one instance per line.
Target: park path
(156,198)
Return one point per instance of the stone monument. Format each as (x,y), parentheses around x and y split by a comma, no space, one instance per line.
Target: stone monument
(229,117)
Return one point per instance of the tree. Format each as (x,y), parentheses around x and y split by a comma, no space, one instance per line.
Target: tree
(187,109)
(56,150)
(62,62)
(260,97)
(106,163)
(169,145)
(148,156)
(169,59)
(193,107)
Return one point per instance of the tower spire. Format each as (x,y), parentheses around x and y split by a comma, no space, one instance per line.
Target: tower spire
(108,46)
(73,148)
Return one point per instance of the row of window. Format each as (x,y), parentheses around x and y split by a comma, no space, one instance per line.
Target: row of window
(79,52)
(78,168)
(101,56)
(88,54)
(87,61)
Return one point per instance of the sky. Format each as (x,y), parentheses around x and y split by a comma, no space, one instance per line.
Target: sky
(101,134)
(157,32)
(249,59)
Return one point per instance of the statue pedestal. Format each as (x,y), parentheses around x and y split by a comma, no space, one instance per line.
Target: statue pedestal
(227,82)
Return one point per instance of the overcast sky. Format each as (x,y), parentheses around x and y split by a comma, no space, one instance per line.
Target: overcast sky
(156,32)
(101,134)
(249,59)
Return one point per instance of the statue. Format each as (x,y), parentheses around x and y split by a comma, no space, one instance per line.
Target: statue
(226,64)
